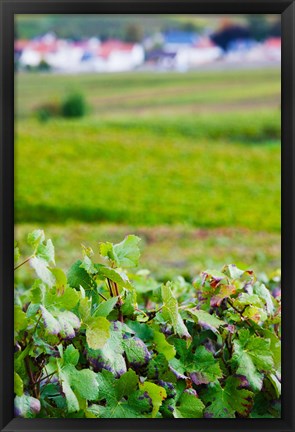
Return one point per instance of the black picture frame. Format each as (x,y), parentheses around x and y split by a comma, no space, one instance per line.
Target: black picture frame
(10,7)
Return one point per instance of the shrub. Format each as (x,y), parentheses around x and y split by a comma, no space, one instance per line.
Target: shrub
(74,105)
(43,66)
(108,341)
(47,111)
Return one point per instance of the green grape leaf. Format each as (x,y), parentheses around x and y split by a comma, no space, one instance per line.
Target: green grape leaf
(201,365)
(76,384)
(18,385)
(158,368)
(88,265)
(26,406)
(129,303)
(114,275)
(127,252)
(45,252)
(275,348)
(276,383)
(124,254)
(16,253)
(156,393)
(71,355)
(60,279)
(20,319)
(84,309)
(189,406)
(248,299)
(65,300)
(97,332)
(64,323)
(43,272)
(225,402)
(122,398)
(205,368)
(162,346)
(35,238)
(105,307)
(233,271)
(252,356)
(136,352)
(69,323)
(107,250)
(83,382)
(51,324)
(222,292)
(126,384)
(110,356)
(170,311)
(140,403)
(252,306)
(261,290)
(142,330)
(71,398)
(144,283)
(206,320)
(77,276)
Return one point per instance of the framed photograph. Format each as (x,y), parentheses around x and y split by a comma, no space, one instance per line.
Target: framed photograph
(147,215)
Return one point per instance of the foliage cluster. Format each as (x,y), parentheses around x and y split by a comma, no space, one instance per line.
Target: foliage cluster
(73,106)
(107,341)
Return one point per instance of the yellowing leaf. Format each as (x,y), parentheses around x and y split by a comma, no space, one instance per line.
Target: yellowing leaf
(97,332)
(156,393)
(163,346)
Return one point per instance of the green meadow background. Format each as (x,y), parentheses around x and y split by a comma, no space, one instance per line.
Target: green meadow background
(190,162)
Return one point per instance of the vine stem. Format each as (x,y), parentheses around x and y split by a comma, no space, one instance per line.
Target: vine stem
(31,377)
(113,287)
(110,287)
(35,328)
(245,319)
(102,296)
(24,262)
(47,376)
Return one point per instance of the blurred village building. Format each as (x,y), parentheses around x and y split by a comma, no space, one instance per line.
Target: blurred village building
(171,50)
(184,50)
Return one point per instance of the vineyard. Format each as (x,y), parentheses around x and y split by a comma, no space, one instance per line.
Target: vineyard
(191,165)
(105,340)
(189,162)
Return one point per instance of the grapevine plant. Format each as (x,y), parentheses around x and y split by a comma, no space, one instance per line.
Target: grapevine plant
(106,341)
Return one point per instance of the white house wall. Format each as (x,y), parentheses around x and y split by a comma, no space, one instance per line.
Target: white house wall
(67,59)
(30,57)
(188,57)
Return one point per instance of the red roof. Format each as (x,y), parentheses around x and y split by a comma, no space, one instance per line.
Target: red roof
(37,45)
(106,48)
(45,47)
(20,44)
(273,42)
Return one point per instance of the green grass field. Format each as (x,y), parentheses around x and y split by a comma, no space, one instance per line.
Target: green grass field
(189,161)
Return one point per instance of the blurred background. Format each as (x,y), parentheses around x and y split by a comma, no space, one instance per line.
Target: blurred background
(163,126)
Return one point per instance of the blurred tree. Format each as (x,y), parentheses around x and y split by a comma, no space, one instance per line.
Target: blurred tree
(191,27)
(134,33)
(230,33)
(259,27)
(275,29)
